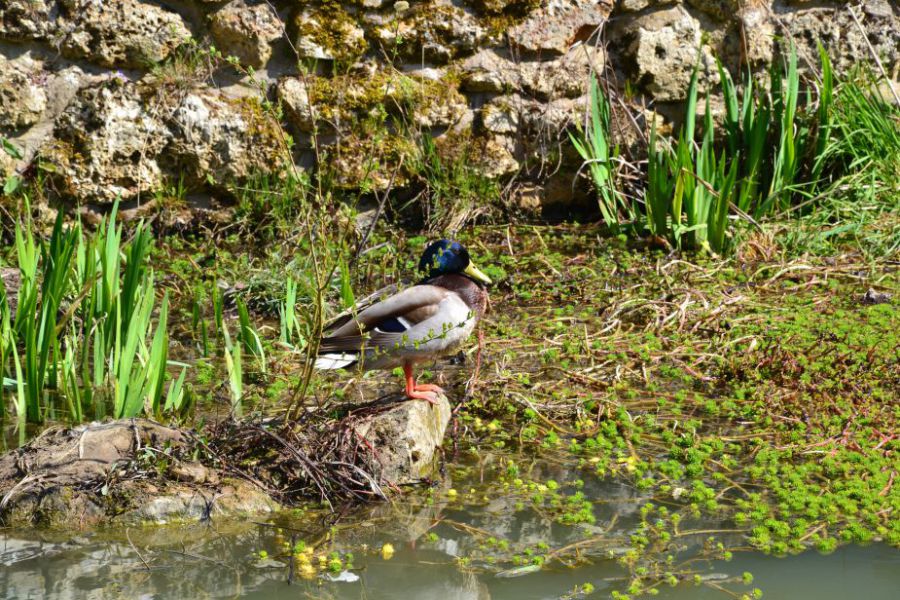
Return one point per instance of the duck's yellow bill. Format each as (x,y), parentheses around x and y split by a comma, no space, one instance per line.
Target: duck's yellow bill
(476,274)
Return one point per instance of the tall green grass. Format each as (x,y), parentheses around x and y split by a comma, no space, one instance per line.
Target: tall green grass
(84,334)
(777,151)
(593,143)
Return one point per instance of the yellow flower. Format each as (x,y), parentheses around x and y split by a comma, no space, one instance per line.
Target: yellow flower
(307,571)
(387,551)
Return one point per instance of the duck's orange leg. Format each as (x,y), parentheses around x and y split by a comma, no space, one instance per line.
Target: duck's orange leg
(419,392)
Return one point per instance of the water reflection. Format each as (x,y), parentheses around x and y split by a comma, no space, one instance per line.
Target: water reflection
(221,560)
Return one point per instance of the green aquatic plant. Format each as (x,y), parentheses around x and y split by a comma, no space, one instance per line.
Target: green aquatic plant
(44,272)
(594,145)
(778,149)
(83,324)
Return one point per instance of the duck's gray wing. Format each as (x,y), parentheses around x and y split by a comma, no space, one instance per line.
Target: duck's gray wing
(381,325)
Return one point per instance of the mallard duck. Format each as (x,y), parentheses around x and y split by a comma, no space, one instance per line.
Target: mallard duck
(430,319)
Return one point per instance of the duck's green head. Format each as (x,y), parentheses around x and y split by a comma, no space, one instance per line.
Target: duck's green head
(444,257)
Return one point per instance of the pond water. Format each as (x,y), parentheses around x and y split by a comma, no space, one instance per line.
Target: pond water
(221,559)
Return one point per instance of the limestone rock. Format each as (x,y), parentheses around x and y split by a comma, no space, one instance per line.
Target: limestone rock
(22,20)
(233,498)
(496,7)
(723,10)
(439,105)
(558,24)
(552,119)
(192,472)
(537,121)
(501,115)
(246,32)
(110,143)
(758,35)
(835,29)
(437,31)
(664,49)
(76,456)
(488,71)
(106,144)
(127,33)
(360,161)
(50,86)
(22,99)
(294,98)
(635,5)
(220,140)
(494,159)
(62,476)
(878,8)
(563,77)
(406,438)
(7,165)
(10,278)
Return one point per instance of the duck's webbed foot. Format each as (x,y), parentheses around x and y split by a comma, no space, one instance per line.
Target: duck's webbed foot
(428,387)
(424,391)
(430,397)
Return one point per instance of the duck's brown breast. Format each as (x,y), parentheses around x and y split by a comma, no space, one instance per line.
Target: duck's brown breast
(474,295)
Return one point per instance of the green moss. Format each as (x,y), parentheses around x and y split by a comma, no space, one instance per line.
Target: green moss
(262,122)
(332,28)
(365,104)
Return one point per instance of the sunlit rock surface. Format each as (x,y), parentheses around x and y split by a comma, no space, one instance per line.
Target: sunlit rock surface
(501,81)
(405,439)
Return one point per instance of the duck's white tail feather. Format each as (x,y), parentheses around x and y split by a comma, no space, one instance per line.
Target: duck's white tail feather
(335,360)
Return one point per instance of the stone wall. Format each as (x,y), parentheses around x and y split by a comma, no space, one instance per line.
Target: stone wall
(118,97)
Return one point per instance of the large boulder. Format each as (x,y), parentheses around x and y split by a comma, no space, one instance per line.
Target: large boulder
(405,438)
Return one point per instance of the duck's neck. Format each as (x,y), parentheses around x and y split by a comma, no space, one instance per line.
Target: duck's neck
(474,295)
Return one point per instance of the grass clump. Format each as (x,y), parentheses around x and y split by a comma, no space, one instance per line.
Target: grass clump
(82,332)
(785,149)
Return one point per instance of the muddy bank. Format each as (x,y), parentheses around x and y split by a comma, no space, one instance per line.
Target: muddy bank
(136,470)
